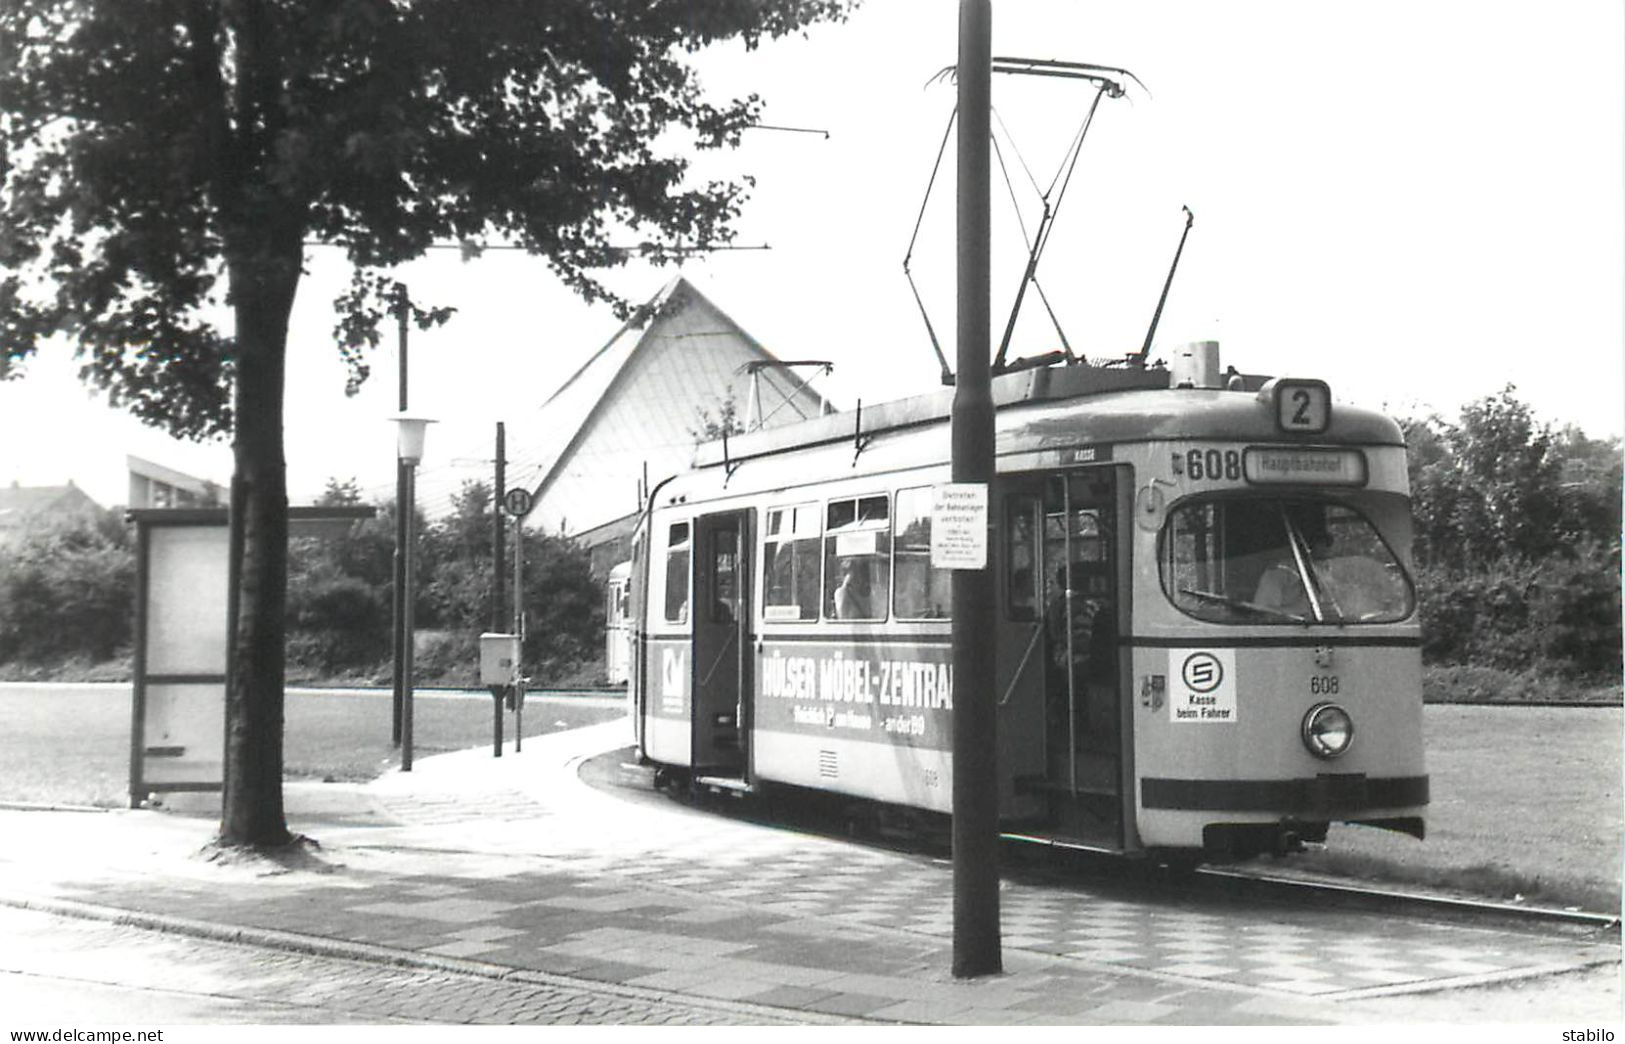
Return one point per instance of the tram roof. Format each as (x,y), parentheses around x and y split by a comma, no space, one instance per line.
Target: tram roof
(1069,405)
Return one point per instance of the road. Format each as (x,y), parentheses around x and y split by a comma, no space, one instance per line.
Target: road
(63,973)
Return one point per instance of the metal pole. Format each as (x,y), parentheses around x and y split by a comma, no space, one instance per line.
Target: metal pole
(398,607)
(499,596)
(975,768)
(519,629)
(407,627)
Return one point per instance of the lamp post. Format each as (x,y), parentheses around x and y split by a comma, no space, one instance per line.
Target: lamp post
(403,307)
(409,433)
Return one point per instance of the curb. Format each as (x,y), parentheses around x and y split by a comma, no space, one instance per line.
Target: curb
(370,953)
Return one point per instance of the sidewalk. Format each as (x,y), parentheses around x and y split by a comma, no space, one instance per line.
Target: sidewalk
(514,867)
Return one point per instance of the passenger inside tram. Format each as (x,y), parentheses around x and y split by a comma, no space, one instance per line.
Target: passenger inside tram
(852,594)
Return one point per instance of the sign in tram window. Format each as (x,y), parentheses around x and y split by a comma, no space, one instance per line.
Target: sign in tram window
(921,591)
(790,564)
(857,558)
(724,575)
(677,574)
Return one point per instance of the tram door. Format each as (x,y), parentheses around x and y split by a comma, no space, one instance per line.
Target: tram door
(1063,530)
(722,639)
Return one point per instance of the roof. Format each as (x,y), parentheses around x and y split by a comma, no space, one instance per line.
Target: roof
(636,407)
(169,476)
(18,503)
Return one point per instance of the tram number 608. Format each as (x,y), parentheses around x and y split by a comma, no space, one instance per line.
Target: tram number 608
(1323,685)
(1213,464)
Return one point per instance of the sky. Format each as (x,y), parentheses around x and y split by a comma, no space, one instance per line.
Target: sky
(1419,202)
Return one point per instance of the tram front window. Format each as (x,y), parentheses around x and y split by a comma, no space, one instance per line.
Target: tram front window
(1280,560)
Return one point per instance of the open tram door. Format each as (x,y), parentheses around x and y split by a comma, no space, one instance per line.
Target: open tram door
(1065,589)
(721,659)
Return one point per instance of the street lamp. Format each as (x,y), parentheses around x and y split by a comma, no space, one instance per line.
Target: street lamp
(409,433)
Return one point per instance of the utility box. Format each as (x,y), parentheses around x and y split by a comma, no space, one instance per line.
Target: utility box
(499,658)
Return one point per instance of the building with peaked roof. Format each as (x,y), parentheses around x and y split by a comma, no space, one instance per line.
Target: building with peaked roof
(24,508)
(633,413)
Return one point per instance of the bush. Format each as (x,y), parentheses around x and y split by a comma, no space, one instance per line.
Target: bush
(1559,615)
(450,658)
(336,623)
(67,591)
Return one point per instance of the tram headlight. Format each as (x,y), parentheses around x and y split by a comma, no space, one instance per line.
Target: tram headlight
(1327,730)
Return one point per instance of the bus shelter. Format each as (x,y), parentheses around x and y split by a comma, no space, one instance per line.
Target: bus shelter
(182,647)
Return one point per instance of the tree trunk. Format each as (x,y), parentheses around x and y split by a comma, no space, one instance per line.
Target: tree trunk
(252,811)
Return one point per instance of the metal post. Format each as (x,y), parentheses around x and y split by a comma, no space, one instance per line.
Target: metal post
(498,595)
(975,767)
(398,607)
(519,629)
(407,627)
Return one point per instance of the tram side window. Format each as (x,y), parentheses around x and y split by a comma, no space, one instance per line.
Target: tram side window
(1281,561)
(790,564)
(921,591)
(1021,558)
(857,558)
(677,573)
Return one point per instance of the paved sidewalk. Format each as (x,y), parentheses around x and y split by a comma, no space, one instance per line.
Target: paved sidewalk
(513,867)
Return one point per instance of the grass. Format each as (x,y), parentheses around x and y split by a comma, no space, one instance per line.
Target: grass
(70,744)
(1526,800)
(1526,806)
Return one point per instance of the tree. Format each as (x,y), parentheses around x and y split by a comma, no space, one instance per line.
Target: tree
(167,161)
(1488,487)
(708,426)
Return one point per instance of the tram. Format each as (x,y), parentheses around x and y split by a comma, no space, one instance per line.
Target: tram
(1206,639)
(617,625)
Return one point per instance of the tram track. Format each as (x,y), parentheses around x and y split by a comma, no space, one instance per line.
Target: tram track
(1244,882)
(1399,896)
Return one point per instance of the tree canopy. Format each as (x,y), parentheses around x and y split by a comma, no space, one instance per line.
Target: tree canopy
(150,150)
(165,163)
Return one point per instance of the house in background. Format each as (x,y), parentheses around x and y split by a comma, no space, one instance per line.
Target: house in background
(27,508)
(155,486)
(633,414)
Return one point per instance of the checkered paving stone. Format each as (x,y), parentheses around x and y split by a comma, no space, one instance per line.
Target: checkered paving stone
(651,920)
(1289,952)
(684,893)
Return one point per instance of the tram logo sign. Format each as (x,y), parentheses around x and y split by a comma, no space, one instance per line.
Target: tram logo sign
(1202,672)
(1205,685)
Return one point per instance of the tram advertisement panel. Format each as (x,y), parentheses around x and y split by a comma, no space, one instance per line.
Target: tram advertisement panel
(897,692)
(667,732)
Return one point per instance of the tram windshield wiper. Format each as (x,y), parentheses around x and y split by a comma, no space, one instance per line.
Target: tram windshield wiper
(1243,604)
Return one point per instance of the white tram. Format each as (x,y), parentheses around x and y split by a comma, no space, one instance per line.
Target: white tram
(1206,629)
(618,625)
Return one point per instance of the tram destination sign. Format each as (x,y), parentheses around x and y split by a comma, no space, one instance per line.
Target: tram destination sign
(959,525)
(1266,465)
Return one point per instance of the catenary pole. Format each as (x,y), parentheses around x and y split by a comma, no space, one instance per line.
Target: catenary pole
(975,777)
(499,536)
(499,596)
